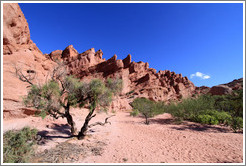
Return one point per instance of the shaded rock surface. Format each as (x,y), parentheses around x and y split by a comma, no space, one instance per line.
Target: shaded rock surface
(220,90)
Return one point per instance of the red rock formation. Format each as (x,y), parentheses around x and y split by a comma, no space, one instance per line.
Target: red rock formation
(222,89)
(235,84)
(136,76)
(19,52)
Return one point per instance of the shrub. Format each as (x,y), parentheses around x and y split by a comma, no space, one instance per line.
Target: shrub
(206,109)
(175,110)
(18,145)
(221,116)
(145,107)
(236,124)
(135,112)
(207,119)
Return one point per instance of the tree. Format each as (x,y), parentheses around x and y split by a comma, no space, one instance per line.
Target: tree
(99,95)
(61,92)
(145,106)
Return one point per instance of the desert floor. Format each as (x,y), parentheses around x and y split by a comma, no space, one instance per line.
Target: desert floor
(129,140)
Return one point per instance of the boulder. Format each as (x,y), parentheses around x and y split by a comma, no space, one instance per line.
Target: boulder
(220,90)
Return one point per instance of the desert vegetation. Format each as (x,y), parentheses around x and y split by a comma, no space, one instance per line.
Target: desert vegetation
(205,109)
(147,108)
(18,145)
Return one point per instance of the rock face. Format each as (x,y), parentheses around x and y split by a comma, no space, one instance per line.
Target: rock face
(16,34)
(220,90)
(19,52)
(235,84)
(138,79)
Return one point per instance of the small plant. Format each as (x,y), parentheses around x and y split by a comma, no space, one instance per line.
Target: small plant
(18,145)
(113,111)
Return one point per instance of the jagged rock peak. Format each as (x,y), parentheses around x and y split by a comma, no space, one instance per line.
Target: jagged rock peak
(69,51)
(127,61)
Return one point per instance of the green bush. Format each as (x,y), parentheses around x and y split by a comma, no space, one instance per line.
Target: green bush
(207,119)
(135,112)
(207,109)
(237,124)
(145,107)
(175,110)
(18,145)
(221,116)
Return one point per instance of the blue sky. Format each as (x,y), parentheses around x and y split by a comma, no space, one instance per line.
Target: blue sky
(202,41)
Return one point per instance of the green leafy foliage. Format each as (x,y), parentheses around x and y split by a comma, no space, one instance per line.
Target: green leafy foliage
(45,98)
(18,145)
(207,109)
(207,119)
(114,85)
(102,93)
(135,112)
(237,124)
(145,106)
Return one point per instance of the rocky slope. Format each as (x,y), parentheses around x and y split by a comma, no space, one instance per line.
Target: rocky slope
(19,52)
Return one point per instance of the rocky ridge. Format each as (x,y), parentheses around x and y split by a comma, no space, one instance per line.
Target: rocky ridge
(138,79)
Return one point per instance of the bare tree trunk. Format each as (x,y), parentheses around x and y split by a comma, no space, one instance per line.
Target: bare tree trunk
(146,119)
(70,119)
(84,128)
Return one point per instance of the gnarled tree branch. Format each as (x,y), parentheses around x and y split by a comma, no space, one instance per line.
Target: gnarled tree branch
(25,78)
(100,123)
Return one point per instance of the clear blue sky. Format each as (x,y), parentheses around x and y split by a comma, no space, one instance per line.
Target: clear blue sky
(184,38)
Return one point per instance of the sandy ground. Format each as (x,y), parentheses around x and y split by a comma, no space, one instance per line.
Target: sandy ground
(129,140)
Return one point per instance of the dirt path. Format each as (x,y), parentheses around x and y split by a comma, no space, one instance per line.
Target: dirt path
(129,140)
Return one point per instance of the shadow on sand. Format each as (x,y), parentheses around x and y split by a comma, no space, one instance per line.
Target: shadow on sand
(178,125)
(56,131)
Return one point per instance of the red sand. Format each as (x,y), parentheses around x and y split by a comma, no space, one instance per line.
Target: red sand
(130,140)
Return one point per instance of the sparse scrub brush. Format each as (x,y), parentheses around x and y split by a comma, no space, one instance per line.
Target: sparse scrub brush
(18,145)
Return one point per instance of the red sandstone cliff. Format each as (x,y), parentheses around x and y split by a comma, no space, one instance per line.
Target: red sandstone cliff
(19,52)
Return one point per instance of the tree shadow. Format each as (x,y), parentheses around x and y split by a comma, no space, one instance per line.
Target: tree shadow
(185,125)
(56,129)
(167,121)
(203,128)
